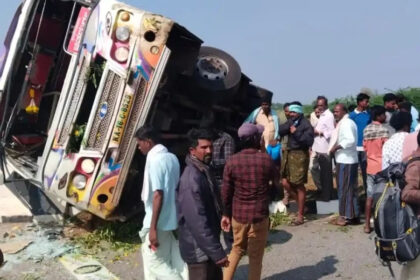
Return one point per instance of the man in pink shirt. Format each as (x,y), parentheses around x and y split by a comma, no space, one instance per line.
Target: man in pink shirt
(322,163)
(374,137)
(410,145)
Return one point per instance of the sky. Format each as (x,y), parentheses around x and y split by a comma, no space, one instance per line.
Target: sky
(302,49)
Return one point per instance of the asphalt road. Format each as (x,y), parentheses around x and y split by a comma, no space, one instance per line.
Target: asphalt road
(316,250)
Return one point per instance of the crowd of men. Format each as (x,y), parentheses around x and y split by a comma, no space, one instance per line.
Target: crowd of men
(226,189)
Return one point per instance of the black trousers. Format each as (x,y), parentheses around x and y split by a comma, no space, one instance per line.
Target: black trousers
(363,165)
(228,238)
(323,176)
(205,271)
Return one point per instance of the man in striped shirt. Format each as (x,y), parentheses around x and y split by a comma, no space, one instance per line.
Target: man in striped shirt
(374,137)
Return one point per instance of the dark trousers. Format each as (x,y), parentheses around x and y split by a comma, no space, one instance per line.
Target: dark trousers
(205,271)
(228,238)
(323,176)
(363,165)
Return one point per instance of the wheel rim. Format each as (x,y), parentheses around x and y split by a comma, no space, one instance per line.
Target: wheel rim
(212,68)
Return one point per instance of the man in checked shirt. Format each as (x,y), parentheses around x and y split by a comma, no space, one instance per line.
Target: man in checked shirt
(249,179)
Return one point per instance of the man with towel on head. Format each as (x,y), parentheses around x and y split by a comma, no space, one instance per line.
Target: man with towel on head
(295,161)
(266,117)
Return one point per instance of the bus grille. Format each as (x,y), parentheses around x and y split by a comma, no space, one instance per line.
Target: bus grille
(71,111)
(132,121)
(101,124)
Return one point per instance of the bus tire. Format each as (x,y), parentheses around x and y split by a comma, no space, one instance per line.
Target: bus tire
(216,70)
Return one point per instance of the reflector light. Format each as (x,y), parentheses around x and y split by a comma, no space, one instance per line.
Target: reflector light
(79,181)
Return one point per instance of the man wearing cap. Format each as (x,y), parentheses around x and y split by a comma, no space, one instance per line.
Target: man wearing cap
(295,161)
(249,178)
(266,117)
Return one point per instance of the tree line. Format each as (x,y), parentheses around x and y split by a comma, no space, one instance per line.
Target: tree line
(412,94)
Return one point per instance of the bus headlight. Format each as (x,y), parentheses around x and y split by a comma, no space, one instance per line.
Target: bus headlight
(79,182)
(121,54)
(122,33)
(88,165)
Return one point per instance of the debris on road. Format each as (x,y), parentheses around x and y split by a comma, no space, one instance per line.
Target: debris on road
(85,267)
(13,247)
(33,243)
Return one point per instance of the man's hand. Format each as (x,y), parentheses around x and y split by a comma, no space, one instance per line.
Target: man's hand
(157,206)
(223,262)
(292,129)
(154,242)
(318,133)
(335,149)
(225,223)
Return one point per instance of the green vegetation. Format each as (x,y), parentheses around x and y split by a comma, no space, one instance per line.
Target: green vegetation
(278,219)
(120,237)
(412,94)
(30,276)
(343,229)
(76,138)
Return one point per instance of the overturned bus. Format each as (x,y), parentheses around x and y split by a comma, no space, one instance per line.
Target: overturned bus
(79,77)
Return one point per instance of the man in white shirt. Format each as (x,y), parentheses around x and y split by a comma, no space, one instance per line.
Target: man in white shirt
(160,249)
(322,166)
(343,146)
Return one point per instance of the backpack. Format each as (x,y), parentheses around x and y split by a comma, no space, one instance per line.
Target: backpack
(395,223)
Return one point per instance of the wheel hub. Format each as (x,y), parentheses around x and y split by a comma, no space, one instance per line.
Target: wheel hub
(212,68)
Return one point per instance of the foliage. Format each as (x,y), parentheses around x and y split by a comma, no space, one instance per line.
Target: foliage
(30,276)
(412,95)
(94,73)
(278,219)
(122,237)
(76,138)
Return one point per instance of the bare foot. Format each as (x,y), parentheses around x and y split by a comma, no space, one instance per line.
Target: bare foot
(367,229)
(339,221)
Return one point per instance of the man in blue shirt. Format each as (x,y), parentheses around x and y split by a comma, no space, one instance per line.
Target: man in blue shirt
(361,117)
(160,249)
